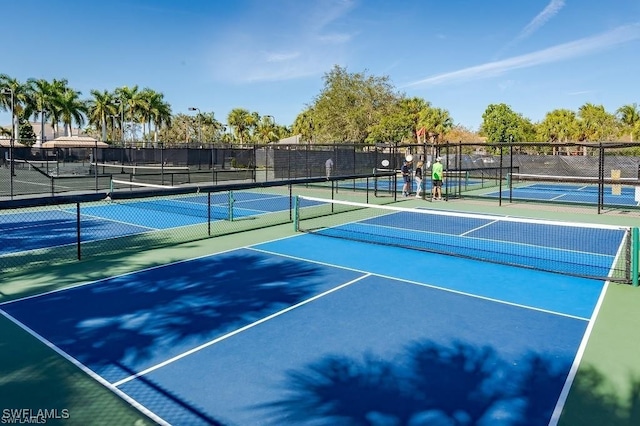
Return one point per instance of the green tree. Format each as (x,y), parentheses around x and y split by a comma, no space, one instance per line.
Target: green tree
(100,109)
(20,95)
(393,128)
(596,124)
(41,104)
(560,125)
(304,125)
(501,124)
(267,130)
(629,116)
(27,135)
(178,132)
(71,109)
(350,104)
(413,109)
(58,88)
(134,104)
(436,121)
(158,112)
(242,122)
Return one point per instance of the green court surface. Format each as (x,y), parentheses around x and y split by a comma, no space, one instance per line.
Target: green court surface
(606,389)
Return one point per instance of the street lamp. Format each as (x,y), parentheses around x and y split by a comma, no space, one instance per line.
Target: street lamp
(199,123)
(273,121)
(8,91)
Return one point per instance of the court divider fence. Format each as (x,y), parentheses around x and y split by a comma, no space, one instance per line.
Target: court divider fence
(610,171)
(43,231)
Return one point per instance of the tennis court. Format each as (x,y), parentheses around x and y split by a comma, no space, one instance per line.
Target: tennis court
(314,329)
(579,193)
(39,229)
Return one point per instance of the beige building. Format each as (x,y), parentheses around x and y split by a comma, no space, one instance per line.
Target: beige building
(48,134)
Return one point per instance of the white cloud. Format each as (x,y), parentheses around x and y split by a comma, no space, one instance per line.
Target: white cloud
(305,43)
(549,12)
(281,56)
(561,52)
(535,24)
(580,92)
(335,38)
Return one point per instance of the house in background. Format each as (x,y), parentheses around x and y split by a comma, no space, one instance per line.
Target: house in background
(41,137)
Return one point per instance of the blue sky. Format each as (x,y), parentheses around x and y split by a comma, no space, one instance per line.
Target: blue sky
(269,56)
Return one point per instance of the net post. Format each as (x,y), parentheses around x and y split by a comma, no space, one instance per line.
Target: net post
(230,204)
(634,255)
(295,214)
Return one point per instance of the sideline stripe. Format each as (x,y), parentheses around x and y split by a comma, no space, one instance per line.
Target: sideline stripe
(233,333)
(89,372)
(435,287)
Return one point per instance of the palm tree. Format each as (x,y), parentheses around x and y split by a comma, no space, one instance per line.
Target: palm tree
(596,124)
(134,106)
(20,100)
(559,125)
(304,125)
(100,108)
(41,101)
(71,109)
(159,112)
(629,116)
(57,90)
(242,121)
(436,121)
(266,130)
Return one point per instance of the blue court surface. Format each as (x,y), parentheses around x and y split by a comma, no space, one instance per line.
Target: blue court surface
(566,193)
(317,330)
(51,228)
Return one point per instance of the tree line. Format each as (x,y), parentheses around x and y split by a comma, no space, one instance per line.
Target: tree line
(350,108)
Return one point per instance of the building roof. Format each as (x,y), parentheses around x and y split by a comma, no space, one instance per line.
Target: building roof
(75,142)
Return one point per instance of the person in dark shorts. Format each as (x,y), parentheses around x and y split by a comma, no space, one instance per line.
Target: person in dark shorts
(406,176)
(436,179)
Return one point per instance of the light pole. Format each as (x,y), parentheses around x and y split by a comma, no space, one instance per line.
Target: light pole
(199,123)
(273,124)
(121,108)
(8,91)
(43,113)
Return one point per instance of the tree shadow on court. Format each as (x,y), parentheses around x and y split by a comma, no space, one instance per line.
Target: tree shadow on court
(426,384)
(594,400)
(33,376)
(126,320)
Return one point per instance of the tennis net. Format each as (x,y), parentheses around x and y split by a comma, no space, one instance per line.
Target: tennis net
(202,205)
(578,249)
(161,174)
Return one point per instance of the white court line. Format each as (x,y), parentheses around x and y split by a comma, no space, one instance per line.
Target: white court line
(477,228)
(503,242)
(564,393)
(88,371)
(151,268)
(435,287)
(562,399)
(233,333)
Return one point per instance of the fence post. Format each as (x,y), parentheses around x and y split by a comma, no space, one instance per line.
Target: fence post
(634,256)
(295,213)
(78,230)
